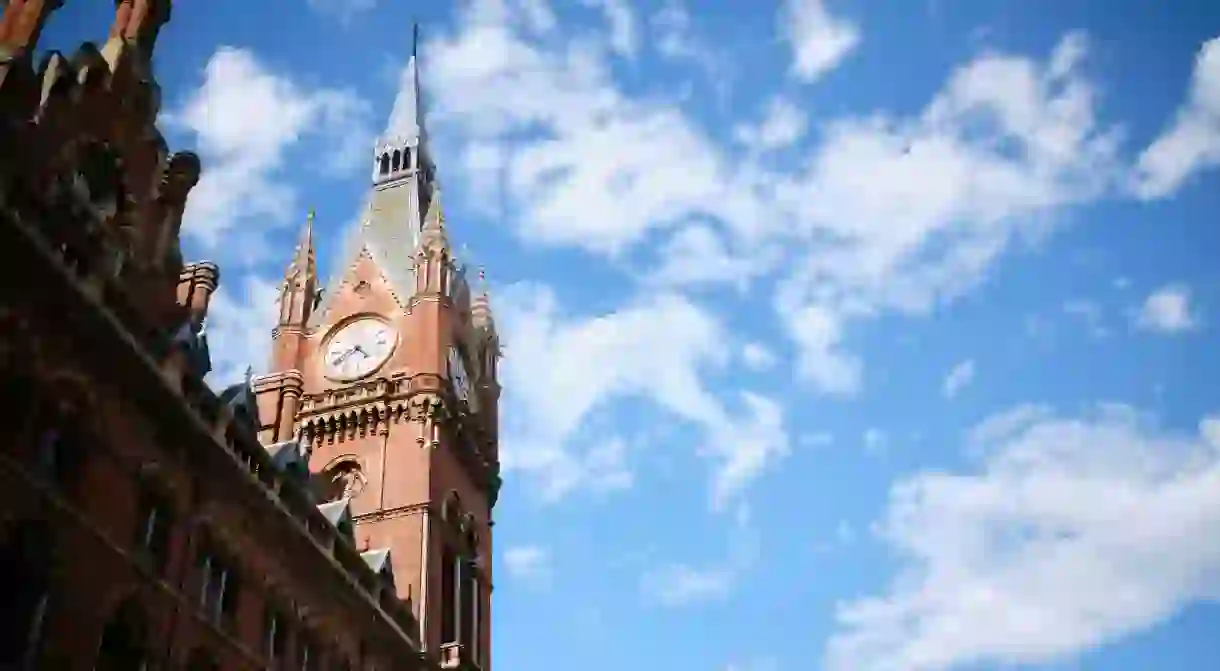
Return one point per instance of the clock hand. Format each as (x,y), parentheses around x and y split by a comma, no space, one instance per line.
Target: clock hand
(344,357)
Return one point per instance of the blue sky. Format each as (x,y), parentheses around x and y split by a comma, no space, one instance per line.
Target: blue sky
(844,335)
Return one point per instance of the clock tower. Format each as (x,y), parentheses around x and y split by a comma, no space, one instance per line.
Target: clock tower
(388,376)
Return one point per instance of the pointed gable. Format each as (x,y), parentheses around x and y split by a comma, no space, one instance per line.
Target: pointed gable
(339,514)
(379,561)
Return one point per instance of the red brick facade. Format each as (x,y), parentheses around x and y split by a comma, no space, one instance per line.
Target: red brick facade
(142,523)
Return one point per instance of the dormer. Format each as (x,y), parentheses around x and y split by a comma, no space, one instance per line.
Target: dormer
(339,514)
(291,457)
(379,561)
(191,342)
(239,402)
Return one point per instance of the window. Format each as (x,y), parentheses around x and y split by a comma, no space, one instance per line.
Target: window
(25,559)
(218,593)
(309,656)
(344,480)
(153,530)
(275,632)
(449,611)
(123,640)
(465,600)
(59,448)
(476,621)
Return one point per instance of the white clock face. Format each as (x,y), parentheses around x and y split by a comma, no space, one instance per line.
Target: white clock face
(358,349)
(459,379)
(457,374)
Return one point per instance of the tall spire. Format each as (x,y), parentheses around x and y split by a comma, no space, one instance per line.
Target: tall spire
(298,295)
(403,187)
(304,260)
(407,115)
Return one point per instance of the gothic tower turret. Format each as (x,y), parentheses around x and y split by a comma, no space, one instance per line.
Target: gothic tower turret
(388,374)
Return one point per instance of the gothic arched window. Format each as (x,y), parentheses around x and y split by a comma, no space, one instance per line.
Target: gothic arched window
(396,164)
(124,640)
(344,480)
(385,164)
(25,562)
(61,430)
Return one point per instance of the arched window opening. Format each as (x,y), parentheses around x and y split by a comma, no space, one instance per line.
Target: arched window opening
(450,624)
(153,527)
(219,584)
(59,441)
(451,511)
(123,640)
(466,602)
(25,559)
(98,172)
(396,164)
(344,480)
(385,164)
(406,158)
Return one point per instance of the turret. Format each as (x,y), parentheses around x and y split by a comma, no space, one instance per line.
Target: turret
(22,23)
(136,26)
(279,393)
(486,352)
(433,256)
(298,297)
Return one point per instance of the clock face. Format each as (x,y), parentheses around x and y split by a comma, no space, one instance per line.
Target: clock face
(358,349)
(459,379)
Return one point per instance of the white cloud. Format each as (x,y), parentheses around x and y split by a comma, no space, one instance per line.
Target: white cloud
(611,169)
(875,442)
(245,118)
(818,333)
(1167,310)
(624,37)
(757,356)
(240,317)
(743,445)
(561,370)
(675,40)
(908,214)
(1192,142)
(819,41)
(886,214)
(698,255)
(528,564)
(958,377)
(782,125)
(1071,533)
(680,584)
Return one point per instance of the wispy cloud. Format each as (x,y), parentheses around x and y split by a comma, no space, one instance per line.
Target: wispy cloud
(1071,533)
(530,564)
(958,378)
(1167,310)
